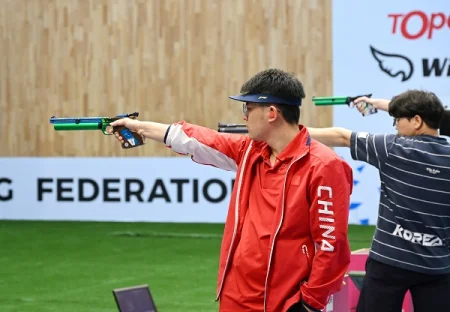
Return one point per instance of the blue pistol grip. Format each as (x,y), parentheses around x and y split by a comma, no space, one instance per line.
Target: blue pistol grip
(131,139)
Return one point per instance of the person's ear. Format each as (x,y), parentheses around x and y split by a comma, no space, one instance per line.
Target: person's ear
(272,110)
(418,122)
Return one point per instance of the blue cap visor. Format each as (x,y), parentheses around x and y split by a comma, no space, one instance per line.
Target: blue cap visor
(265,98)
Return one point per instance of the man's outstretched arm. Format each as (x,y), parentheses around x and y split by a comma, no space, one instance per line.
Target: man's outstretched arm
(204,145)
(340,137)
(334,136)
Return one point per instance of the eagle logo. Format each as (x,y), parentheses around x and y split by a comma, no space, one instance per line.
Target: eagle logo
(393,64)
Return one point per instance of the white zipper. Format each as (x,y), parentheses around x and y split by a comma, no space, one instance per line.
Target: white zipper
(236,217)
(278,229)
(305,251)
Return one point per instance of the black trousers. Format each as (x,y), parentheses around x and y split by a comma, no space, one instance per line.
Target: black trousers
(384,288)
(298,307)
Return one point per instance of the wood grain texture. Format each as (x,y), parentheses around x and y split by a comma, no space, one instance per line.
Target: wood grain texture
(170,60)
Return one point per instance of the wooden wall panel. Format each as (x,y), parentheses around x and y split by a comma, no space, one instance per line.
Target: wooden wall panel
(168,59)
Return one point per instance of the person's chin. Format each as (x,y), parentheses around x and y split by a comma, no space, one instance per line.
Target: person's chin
(256,139)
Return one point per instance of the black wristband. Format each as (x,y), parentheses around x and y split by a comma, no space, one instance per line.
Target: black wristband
(167,133)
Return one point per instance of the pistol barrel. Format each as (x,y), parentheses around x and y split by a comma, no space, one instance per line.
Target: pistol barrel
(80,126)
(330,100)
(232,128)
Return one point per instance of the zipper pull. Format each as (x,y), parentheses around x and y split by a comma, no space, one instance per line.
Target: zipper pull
(305,250)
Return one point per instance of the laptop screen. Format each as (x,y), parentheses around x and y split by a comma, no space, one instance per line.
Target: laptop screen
(134,299)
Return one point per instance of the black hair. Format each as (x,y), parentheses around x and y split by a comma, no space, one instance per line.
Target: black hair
(444,128)
(281,84)
(417,102)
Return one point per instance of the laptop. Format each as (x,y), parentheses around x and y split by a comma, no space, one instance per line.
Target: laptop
(134,299)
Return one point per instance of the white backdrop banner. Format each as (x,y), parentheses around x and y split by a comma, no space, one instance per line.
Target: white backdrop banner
(385,48)
(166,189)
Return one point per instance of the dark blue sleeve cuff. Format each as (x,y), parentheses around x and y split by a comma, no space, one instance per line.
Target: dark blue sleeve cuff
(353,145)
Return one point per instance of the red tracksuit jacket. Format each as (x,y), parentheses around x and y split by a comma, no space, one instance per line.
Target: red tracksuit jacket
(309,248)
